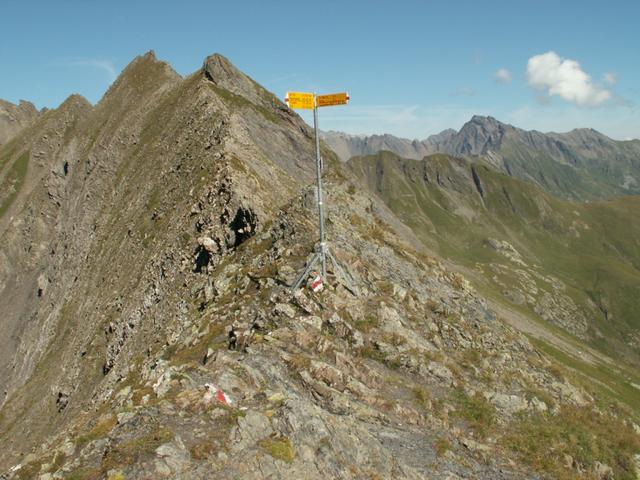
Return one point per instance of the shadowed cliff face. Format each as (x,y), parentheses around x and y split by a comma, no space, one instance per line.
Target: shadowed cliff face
(147,247)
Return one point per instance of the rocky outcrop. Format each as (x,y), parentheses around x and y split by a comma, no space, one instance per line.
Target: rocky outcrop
(14,118)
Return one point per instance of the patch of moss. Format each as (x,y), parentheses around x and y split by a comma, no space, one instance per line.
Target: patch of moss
(101,429)
(84,473)
(279,448)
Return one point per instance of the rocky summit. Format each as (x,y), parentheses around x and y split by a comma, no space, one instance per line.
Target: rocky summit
(149,243)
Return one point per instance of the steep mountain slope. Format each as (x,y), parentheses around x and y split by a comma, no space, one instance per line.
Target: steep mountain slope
(574,265)
(151,332)
(581,165)
(14,118)
(84,226)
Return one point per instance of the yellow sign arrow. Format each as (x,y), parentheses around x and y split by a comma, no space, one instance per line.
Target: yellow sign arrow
(300,100)
(332,99)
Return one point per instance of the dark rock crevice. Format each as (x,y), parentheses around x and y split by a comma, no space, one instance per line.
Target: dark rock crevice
(242,227)
(202,259)
(477,182)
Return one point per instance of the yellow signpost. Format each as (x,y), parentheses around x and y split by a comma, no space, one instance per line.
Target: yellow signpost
(300,100)
(311,101)
(332,99)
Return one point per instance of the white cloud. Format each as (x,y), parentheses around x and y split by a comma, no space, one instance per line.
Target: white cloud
(503,75)
(610,78)
(105,65)
(554,75)
(463,92)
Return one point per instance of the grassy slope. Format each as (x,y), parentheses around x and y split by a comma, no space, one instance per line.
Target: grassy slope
(12,182)
(592,248)
(598,177)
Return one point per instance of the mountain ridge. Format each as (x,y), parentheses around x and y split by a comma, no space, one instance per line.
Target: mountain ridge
(582,164)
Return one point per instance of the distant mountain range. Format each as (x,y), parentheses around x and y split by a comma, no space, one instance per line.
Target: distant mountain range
(582,164)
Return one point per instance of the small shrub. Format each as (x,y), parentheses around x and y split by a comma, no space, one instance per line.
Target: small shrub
(395,339)
(366,324)
(370,351)
(442,446)
(476,410)
(203,450)
(101,429)
(423,397)
(299,362)
(556,371)
(129,452)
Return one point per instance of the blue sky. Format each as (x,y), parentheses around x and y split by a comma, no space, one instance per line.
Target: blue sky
(412,67)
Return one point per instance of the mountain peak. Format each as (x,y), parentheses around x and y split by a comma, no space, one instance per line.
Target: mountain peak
(142,75)
(479,135)
(487,122)
(219,70)
(142,62)
(482,118)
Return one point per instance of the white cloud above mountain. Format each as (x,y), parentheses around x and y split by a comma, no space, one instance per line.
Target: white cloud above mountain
(563,77)
(610,78)
(503,75)
(106,66)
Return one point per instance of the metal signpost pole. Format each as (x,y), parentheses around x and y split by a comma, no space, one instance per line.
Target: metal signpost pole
(323,254)
(311,101)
